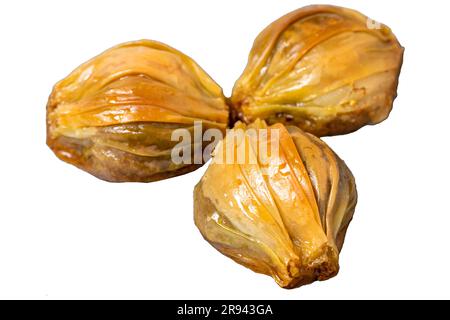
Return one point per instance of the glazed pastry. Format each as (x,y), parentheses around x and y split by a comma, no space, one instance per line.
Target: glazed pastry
(325,69)
(282,213)
(114,116)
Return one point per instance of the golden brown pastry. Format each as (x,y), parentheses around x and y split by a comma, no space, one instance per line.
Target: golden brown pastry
(285,214)
(326,69)
(114,115)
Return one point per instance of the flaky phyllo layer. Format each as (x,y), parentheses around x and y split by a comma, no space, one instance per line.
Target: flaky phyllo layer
(326,69)
(285,214)
(114,115)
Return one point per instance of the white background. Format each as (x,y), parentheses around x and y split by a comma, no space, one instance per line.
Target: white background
(65,234)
